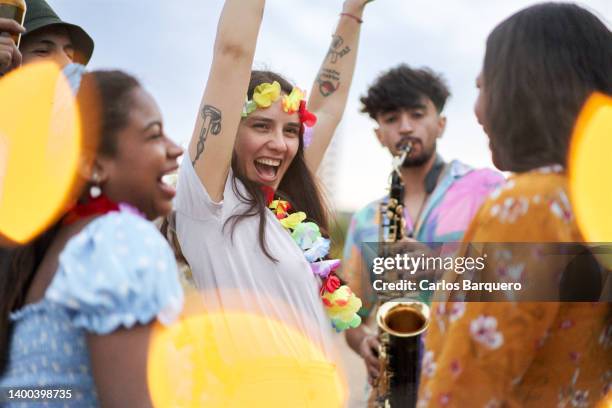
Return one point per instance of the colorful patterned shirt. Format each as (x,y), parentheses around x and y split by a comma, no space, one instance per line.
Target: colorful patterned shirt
(445,216)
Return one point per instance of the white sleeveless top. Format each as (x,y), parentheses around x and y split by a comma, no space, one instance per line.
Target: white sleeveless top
(234,274)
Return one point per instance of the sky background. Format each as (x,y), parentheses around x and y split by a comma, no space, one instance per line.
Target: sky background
(168,46)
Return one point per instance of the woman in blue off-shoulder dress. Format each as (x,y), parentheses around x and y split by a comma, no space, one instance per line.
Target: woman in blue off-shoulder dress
(78,303)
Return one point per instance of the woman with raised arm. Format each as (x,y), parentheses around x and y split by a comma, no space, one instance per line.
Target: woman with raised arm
(78,305)
(250,219)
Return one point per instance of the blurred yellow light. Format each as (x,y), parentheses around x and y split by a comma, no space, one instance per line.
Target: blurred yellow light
(590,171)
(606,402)
(210,360)
(40,146)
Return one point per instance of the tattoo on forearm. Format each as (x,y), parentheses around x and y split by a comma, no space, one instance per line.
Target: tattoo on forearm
(211,118)
(336,50)
(329,81)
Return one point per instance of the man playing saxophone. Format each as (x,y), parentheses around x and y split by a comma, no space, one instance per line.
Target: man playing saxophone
(439,198)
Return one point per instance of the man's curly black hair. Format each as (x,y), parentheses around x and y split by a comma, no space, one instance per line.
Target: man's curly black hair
(404,87)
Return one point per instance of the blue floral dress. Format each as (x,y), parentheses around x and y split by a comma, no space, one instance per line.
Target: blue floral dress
(116,273)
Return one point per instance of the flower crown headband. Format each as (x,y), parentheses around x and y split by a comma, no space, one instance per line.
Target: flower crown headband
(265,94)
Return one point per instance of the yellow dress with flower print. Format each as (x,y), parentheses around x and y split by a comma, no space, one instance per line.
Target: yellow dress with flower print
(520,354)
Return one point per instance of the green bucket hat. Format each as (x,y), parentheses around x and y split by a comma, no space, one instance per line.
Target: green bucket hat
(39,15)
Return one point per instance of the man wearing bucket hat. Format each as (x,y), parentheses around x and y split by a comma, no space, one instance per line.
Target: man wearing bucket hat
(48,37)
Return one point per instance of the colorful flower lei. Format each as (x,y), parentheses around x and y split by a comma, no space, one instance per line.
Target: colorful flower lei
(341,304)
(265,94)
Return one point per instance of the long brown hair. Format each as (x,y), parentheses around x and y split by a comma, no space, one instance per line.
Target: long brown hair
(540,66)
(104,101)
(298,186)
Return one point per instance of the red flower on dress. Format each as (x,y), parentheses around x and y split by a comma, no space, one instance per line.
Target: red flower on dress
(574,356)
(455,367)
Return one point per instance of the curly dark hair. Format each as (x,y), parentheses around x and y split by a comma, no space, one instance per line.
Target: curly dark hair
(404,87)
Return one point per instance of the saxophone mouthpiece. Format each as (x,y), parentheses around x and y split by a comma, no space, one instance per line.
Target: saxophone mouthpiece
(404,148)
(404,145)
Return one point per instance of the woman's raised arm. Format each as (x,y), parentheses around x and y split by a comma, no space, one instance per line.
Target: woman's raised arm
(331,88)
(212,142)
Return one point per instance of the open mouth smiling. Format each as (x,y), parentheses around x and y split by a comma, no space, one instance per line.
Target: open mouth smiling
(167,182)
(267,168)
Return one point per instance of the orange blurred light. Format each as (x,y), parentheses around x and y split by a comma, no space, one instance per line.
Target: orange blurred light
(217,360)
(590,171)
(40,146)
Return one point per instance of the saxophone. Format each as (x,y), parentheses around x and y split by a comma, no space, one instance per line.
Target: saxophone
(400,321)
(392,223)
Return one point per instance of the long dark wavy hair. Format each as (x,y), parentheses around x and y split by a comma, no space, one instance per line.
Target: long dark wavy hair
(104,103)
(540,66)
(298,185)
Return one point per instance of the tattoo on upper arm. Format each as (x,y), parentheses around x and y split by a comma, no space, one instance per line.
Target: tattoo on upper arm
(329,81)
(211,118)
(336,50)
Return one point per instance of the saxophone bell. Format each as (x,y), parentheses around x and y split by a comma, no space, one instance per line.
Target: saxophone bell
(401,323)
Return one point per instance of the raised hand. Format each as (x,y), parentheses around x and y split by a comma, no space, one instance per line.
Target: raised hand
(212,143)
(10,57)
(331,87)
(351,6)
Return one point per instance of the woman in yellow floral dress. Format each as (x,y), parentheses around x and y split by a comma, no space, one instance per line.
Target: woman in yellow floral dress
(540,66)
